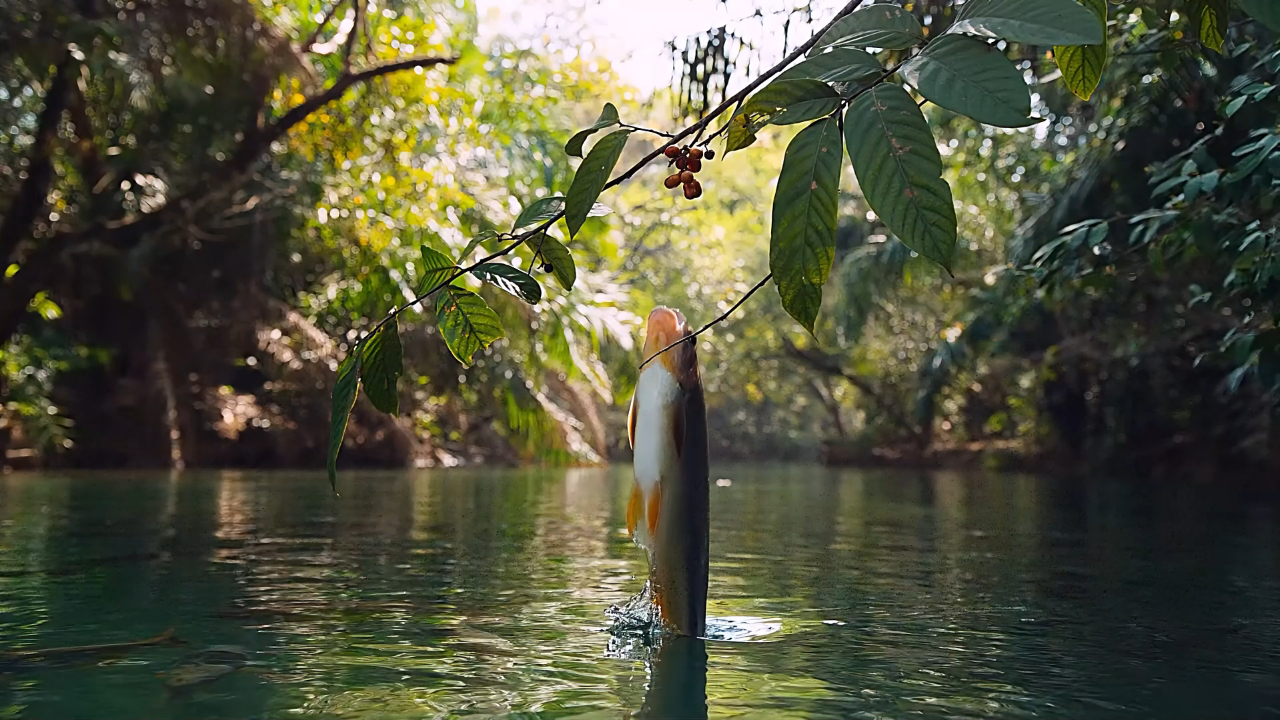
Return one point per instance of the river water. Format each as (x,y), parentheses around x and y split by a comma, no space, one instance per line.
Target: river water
(482,594)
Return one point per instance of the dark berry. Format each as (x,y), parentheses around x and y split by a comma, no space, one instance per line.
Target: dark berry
(695,154)
(682,163)
(673,180)
(693,190)
(711,154)
(694,165)
(672,152)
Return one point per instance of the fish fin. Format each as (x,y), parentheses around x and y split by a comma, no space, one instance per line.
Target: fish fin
(635,509)
(633,413)
(655,507)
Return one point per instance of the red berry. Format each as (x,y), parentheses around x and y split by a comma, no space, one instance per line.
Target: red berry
(673,180)
(671,152)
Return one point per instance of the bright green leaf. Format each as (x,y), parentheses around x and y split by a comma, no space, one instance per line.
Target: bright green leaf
(900,171)
(551,251)
(436,268)
(592,176)
(965,75)
(510,279)
(1266,12)
(888,27)
(608,118)
(782,102)
(1031,22)
(803,238)
(481,237)
(381,367)
(466,323)
(1082,65)
(344,398)
(543,209)
(1210,19)
(839,65)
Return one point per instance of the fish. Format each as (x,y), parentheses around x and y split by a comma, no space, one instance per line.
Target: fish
(668,511)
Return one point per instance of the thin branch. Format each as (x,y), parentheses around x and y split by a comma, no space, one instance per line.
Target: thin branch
(358,7)
(640,164)
(29,201)
(315,34)
(637,128)
(724,316)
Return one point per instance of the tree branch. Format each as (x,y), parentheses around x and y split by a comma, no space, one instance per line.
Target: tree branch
(315,34)
(92,168)
(29,201)
(828,365)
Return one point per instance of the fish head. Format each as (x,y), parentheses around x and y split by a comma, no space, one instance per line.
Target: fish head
(664,327)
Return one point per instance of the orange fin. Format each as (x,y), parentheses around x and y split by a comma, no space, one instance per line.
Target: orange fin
(632,413)
(635,509)
(655,506)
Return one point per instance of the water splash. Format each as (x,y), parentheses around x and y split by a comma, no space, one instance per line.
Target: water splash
(637,626)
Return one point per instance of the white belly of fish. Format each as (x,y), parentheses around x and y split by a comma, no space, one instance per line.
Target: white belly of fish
(655,450)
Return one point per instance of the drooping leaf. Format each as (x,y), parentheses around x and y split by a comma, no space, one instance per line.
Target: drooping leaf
(965,75)
(381,367)
(888,27)
(608,118)
(436,268)
(900,171)
(554,253)
(838,65)
(591,178)
(482,236)
(543,209)
(1032,22)
(1082,65)
(344,398)
(1210,19)
(510,279)
(781,102)
(1266,12)
(803,238)
(466,323)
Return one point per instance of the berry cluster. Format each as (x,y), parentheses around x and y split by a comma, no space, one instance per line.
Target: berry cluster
(688,160)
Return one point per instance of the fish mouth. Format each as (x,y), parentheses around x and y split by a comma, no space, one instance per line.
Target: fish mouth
(664,327)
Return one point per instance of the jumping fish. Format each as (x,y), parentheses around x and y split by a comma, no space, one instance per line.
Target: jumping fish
(667,513)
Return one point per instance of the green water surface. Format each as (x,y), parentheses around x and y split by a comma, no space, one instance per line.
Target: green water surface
(482,594)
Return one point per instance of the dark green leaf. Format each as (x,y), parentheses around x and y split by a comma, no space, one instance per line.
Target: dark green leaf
(839,65)
(888,27)
(782,102)
(1266,12)
(803,239)
(543,209)
(900,171)
(382,366)
(466,322)
(436,268)
(608,118)
(512,280)
(344,398)
(1038,22)
(965,75)
(591,178)
(549,250)
(1082,65)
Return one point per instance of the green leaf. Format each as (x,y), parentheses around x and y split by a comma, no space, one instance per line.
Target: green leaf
(543,209)
(887,27)
(803,239)
(466,322)
(1082,65)
(782,102)
(344,398)
(436,268)
(382,366)
(608,118)
(1031,22)
(512,280)
(1266,12)
(839,65)
(552,251)
(965,75)
(475,242)
(900,171)
(1210,19)
(591,178)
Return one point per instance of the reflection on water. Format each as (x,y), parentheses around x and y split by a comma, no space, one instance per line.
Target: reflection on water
(482,594)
